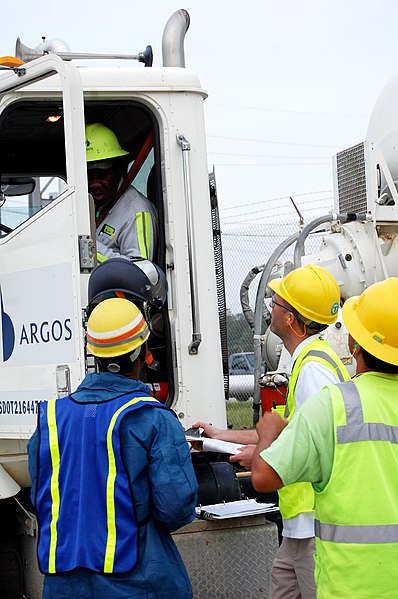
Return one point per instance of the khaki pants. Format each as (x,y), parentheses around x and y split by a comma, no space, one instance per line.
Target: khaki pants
(292,575)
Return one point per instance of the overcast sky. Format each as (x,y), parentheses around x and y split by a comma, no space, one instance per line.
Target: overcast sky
(289,83)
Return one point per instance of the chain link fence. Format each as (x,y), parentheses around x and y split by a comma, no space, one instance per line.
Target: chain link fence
(249,236)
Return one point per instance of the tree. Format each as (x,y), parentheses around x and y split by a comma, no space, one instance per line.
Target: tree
(239,333)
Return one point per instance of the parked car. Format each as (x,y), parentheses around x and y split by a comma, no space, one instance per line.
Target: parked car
(241,379)
(241,363)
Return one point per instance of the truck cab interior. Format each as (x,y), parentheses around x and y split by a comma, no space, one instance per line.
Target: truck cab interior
(32,144)
(33,174)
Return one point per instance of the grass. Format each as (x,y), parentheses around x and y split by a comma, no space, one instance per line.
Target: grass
(240,414)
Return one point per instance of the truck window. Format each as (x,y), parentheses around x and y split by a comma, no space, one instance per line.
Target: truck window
(15,209)
(32,143)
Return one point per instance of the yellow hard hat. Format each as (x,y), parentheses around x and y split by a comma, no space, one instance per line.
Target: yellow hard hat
(372,319)
(115,327)
(102,143)
(312,291)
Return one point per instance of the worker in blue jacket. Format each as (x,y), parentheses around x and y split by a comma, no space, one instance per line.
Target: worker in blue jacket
(112,475)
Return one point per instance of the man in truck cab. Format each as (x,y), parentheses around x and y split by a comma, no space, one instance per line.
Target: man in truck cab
(127,222)
(344,441)
(112,476)
(304,303)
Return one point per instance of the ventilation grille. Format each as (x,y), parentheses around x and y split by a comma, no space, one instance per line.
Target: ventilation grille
(351,179)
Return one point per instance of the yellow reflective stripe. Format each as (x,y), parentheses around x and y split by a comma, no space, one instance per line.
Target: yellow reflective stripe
(110,487)
(101,258)
(144,234)
(54,488)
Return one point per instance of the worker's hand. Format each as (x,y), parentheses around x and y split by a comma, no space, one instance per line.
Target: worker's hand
(270,427)
(208,430)
(244,457)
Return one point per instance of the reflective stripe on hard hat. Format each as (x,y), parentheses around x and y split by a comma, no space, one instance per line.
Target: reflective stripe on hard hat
(115,327)
(129,332)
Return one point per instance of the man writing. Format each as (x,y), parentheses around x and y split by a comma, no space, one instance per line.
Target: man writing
(111,475)
(344,440)
(305,302)
(126,225)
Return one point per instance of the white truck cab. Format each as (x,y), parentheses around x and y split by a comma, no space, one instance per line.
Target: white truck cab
(47,236)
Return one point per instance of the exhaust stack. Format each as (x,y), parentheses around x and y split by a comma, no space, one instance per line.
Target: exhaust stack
(173,39)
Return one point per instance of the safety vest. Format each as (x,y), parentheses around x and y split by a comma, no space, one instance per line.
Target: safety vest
(356,524)
(298,498)
(84,502)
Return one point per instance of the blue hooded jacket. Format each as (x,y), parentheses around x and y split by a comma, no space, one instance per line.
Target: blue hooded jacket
(157,459)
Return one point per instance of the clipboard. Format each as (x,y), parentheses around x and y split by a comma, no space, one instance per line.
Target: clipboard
(234,509)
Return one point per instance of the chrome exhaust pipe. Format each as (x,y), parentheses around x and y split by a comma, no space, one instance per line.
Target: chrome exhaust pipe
(173,39)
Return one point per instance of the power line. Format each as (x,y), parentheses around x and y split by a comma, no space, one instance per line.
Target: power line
(268,156)
(270,211)
(304,112)
(265,141)
(324,163)
(296,195)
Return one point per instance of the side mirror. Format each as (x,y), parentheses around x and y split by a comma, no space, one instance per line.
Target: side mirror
(16,186)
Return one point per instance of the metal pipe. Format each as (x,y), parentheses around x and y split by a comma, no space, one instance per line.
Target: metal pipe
(173,39)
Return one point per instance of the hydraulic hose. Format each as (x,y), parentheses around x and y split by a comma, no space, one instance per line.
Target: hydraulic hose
(258,313)
(343,218)
(244,294)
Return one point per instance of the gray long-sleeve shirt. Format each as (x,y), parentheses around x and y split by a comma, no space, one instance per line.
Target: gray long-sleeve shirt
(129,229)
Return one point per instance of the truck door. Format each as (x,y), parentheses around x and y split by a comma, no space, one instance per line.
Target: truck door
(45,249)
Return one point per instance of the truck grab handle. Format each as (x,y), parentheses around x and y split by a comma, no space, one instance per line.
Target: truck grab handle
(193,279)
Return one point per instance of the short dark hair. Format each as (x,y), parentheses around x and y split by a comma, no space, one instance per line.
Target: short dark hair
(378,365)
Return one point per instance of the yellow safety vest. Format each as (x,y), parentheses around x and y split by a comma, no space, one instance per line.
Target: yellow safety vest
(356,524)
(298,498)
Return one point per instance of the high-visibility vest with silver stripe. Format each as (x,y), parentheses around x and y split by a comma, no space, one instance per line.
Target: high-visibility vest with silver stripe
(84,502)
(356,514)
(298,498)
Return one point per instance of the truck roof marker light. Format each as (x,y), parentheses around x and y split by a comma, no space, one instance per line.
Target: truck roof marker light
(10,61)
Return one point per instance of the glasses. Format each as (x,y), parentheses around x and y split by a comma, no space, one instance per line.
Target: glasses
(274,303)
